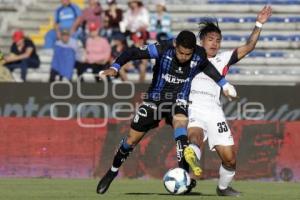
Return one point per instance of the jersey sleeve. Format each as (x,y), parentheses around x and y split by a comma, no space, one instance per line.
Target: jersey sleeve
(151,51)
(211,71)
(233,58)
(207,67)
(230,58)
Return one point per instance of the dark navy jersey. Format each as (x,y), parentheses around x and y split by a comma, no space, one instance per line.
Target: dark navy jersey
(171,80)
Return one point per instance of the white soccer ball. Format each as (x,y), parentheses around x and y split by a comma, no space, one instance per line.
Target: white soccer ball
(176,181)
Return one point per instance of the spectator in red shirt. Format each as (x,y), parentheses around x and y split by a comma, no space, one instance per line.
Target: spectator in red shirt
(97,52)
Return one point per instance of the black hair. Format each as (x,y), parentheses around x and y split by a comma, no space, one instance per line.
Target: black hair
(186,39)
(208,25)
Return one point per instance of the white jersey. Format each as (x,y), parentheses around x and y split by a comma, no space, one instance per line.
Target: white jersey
(204,90)
(205,110)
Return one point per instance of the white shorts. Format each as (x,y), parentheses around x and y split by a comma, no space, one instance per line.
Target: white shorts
(213,122)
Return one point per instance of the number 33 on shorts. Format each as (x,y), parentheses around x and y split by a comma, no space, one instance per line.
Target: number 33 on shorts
(222,127)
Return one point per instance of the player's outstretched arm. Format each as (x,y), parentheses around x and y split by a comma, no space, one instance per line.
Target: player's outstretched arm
(262,17)
(147,52)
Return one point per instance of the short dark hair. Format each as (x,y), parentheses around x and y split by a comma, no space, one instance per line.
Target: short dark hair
(186,39)
(208,25)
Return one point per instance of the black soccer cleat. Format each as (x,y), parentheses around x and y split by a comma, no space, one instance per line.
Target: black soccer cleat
(229,191)
(105,182)
(191,186)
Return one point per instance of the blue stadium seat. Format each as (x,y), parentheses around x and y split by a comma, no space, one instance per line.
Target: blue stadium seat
(275,54)
(201,19)
(229,19)
(246,19)
(233,70)
(257,54)
(294,19)
(294,37)
(274,37)
(232,37)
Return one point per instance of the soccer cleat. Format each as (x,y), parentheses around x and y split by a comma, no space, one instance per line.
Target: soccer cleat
(192,160)
(229,191)
(105,182)
(191,186)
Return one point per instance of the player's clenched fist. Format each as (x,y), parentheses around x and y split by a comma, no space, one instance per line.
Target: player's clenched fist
(229,91)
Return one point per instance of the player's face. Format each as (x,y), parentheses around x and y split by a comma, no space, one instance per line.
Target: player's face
(183,54)
(211,43)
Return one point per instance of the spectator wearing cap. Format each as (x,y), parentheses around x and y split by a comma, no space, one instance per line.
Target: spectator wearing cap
(136,18)
(64,17)
(160,22)
(91,14)
(64,57)
(114,16)
(22,54)
(97,53)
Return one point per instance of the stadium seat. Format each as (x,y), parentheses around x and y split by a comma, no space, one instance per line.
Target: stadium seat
(275,54)
(232,37)
(233,70)
(246,19)
(294,37)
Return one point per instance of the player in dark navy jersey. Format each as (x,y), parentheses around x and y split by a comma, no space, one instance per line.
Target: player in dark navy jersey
(177,62)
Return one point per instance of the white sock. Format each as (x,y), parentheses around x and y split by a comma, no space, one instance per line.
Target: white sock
(114,169)
(196,150)
(226,177)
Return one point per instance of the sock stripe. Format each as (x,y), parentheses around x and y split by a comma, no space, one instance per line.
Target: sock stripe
(180,132)
(125,145)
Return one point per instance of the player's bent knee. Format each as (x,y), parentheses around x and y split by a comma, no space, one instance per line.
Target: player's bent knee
(134,137)
(132,141)
(229,164)
(195,136)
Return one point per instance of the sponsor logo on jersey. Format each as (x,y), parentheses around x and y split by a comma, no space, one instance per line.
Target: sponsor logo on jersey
(168,57)
(218,59)
(179,70)
(196,92)
(142,112)
(173,79)
(193,64)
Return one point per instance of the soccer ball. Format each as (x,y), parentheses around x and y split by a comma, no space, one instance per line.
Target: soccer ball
(176,181)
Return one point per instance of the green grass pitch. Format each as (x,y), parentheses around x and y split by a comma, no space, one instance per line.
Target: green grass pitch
(136,189)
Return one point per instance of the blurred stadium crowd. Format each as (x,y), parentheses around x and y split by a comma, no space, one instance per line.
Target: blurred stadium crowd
(47,40)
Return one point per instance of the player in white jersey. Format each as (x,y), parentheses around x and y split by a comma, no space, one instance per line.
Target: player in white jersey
(206,118)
